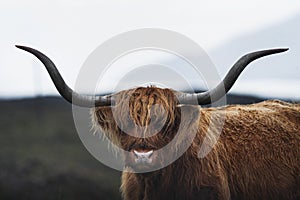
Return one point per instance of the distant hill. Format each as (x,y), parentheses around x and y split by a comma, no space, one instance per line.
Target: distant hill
(42,157)
(281,66)
(36,103)
(271,76)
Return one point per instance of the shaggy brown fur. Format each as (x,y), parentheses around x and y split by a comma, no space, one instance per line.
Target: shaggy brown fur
(255,157)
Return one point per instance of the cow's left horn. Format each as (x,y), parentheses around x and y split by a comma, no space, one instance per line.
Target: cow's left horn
(65,91)
(222,88)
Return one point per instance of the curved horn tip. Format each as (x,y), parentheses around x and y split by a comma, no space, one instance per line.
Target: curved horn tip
(22,47)
(283,49)
(18,46)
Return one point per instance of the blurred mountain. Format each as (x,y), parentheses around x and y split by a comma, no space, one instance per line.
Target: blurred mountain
(281,66)
(276,76)
(42,157)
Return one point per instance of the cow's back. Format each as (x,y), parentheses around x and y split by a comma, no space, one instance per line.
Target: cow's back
(260,150)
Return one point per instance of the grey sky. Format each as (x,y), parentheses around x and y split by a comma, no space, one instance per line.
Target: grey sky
(68,31)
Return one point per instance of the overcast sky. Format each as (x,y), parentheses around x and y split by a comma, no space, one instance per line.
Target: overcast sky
(69,30)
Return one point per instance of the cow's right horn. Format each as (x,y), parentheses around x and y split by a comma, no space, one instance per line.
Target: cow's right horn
(64,90)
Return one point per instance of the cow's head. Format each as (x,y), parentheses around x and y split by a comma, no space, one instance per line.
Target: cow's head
(143,120)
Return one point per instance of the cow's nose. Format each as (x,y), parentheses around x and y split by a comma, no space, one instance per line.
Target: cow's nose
(143,156)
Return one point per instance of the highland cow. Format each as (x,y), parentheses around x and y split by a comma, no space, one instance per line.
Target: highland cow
(254,156)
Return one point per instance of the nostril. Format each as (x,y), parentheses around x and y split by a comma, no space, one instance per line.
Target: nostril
(143,154)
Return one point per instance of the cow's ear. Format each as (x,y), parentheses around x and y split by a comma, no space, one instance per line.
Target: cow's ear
(102,119)
(188,126)
(104,123)
(101,116)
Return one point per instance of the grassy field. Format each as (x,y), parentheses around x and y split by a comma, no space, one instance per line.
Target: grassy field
(42,157)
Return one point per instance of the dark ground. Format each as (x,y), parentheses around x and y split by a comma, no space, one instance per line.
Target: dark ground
(42,157)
